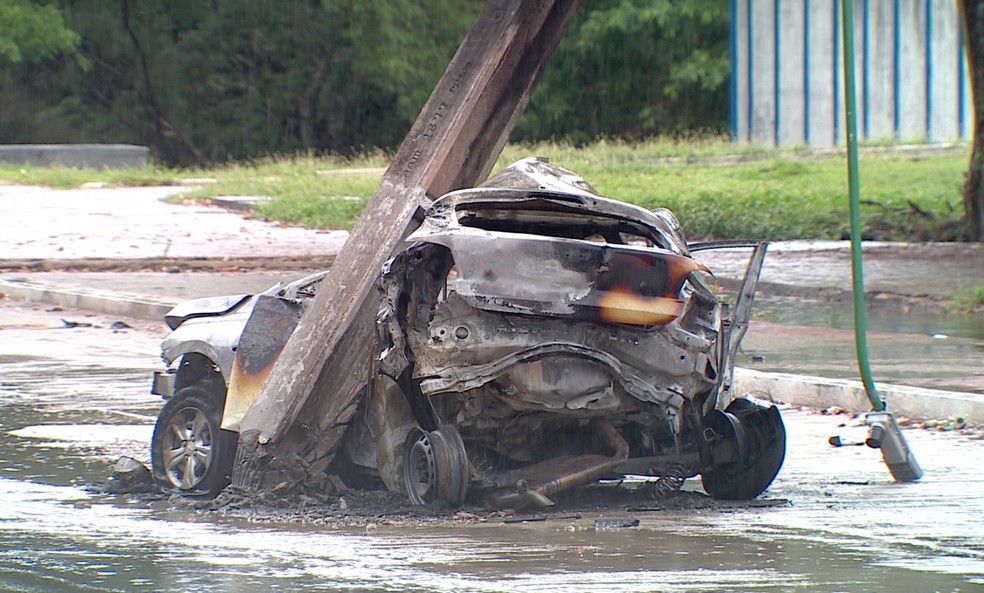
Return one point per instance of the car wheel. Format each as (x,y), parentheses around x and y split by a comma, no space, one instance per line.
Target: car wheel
(190,454)
(759,438)
(435,467)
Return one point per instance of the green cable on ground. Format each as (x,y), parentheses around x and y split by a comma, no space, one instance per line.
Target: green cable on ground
(857,271)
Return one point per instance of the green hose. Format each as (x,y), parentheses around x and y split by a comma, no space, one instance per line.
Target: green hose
(857,271)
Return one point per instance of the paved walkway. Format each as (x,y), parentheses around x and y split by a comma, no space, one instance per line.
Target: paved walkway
(42,223)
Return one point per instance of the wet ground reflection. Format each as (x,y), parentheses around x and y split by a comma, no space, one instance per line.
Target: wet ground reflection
(77,544)
(910,348)
(72,401)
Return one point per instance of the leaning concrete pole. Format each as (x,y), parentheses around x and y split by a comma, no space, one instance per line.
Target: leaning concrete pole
(291,431)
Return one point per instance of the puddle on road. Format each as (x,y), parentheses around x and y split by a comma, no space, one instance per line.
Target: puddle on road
(889,319)
(69,406)
(59,539)
(817,338)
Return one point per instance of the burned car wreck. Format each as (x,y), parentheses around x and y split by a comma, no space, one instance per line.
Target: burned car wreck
(534,336)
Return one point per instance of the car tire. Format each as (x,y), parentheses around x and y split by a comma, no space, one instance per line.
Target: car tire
(190,453)
(435,467)
(746,479)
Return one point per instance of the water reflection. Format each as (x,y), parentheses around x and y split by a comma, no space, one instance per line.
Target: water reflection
(68,410)
(840,315)
(817,338)
(59,538)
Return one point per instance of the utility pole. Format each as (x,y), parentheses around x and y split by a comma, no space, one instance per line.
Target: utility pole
(293,428)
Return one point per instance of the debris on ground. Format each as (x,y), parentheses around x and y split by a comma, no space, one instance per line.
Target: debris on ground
(370,509)
(130,476)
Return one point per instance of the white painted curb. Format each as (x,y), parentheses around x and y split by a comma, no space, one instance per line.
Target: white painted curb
(108,303)
(820,392)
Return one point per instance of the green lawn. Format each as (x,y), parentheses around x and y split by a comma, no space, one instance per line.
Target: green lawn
(717,189)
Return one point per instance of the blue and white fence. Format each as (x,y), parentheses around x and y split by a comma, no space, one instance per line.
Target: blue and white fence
(788,81)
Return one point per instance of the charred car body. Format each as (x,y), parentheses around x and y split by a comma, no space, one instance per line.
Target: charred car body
(533,336)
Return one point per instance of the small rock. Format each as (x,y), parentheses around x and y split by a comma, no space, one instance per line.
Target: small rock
(133,475)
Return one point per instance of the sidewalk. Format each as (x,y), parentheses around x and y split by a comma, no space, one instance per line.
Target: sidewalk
(129,223)
(134,224)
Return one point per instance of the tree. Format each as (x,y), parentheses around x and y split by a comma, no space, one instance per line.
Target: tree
(32,37)
(634,68)
(973,16)
(266,77)
(205,82)
(31,32)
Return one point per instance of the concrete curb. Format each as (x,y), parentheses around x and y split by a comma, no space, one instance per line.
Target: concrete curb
(820,392)
(108,303)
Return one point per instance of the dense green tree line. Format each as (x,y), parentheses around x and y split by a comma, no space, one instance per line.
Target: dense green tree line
(635,68)
(204,81)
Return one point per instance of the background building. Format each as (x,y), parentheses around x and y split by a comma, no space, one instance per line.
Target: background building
(912,78)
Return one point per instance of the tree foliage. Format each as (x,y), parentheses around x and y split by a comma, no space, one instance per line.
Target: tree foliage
(205,81)
(635,68)
(31,32)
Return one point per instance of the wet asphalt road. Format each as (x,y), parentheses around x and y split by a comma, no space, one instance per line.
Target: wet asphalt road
(72,400)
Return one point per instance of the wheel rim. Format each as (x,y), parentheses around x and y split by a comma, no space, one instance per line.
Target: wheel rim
(436,467)
(419,468)
(188,448)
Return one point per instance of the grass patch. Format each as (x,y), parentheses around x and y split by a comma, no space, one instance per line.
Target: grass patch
(968,300)
(71,178)
(777,194)
(717,189)
(315,192)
